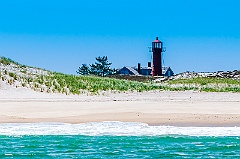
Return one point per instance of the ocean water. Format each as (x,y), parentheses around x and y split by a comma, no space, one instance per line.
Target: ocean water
(117,140)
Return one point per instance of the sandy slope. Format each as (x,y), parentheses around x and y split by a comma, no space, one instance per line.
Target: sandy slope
(165,108)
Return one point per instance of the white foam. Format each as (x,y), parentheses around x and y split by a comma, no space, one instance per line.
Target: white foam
(112,128)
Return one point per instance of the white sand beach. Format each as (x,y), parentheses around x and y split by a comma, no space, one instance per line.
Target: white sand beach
(188,108)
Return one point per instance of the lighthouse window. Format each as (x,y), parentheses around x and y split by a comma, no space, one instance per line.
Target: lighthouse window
(157,45)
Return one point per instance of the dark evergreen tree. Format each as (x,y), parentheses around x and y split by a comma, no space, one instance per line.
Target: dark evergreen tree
(102,67)
(84,70)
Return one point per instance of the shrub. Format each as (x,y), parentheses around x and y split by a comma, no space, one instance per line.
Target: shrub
(7,61)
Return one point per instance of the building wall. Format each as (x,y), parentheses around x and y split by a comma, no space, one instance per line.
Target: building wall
(146,72)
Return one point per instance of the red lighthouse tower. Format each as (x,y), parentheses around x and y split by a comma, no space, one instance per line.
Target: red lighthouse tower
(157,57)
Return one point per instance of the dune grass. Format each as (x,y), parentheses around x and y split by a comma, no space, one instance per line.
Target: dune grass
(206,84)
(54,82)
(96,84)
(205,81)
(63,83)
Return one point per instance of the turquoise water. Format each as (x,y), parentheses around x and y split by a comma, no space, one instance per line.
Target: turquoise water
(117,140)
(77,146)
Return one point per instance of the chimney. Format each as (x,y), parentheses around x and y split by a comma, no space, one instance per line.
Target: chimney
(149,64)
(139,68)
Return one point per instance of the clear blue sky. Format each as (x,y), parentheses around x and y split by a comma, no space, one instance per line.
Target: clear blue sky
(60,35)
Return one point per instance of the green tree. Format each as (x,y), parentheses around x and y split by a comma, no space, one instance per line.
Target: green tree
(84,70)
(102,67)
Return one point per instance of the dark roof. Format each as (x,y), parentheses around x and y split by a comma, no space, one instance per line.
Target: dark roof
(131,69)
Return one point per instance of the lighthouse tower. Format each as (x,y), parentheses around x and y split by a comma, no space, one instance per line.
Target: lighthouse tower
(157,50)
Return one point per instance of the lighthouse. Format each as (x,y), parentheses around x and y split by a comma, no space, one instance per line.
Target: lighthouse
(157,50)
